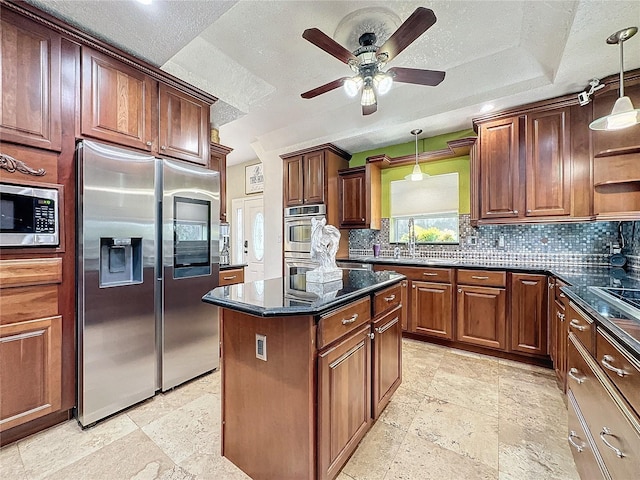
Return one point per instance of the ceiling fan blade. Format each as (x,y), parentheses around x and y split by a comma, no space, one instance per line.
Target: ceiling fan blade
(327,87)
(369,109)
(417,76)
(414,26)
(328,44)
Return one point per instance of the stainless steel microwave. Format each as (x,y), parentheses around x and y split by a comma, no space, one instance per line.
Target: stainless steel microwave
(29,216)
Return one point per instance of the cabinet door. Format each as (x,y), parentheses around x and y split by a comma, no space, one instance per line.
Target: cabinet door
(314,177)
(352,199)
(500,168)
(481,316)
(30,110)
(387,359)
(344,400)
(293,181)
(117,101)
(184,126)
(548,163)
(432,312)
(529,313)
(30,368)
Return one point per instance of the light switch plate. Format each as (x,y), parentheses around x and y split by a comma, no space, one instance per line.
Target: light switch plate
(261,347)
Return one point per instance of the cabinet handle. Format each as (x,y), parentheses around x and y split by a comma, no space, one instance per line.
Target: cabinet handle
(163,147)
(387,326)
(528,211)
(576,324)
(561,315)
(459,290)
(476,277)
(362,219)
(573,435)
(551,285)
(149,144)
(572,374)
(229,278)
(605,363)
(605,431)
(347,321)
(371,335)
(562,295)
(515,211)
(390,299)
(430,274)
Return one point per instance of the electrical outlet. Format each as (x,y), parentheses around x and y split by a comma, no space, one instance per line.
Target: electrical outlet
(472,240)
(501,241)
(261,347)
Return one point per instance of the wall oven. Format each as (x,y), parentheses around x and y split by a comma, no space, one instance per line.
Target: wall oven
(297,227)
(29,216)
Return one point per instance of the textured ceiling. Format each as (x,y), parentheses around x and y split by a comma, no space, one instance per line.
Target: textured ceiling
(251,55)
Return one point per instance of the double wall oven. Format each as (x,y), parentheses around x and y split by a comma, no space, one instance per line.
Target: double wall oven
(297,244)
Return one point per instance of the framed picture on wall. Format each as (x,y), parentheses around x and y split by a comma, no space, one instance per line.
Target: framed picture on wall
(254,179)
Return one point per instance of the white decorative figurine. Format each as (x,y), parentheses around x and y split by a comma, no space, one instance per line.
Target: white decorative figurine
(324,246)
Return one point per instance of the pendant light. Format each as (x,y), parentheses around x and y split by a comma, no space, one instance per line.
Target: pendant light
(623,114)
(416,175)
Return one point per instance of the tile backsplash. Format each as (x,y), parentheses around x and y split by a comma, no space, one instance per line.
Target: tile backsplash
(568,243)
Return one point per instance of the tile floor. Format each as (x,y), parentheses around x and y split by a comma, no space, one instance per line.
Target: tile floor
(456,415)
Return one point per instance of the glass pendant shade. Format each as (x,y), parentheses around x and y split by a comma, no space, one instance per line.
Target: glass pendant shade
(623,115)
(382,82)
(368,96)
(352,85)
(416,174)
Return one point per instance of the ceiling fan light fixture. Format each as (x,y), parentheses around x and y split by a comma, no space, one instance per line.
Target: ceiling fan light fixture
(623,114)
(368,96)
(382,82)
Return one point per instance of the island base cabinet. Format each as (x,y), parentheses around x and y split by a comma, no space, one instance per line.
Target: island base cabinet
(344,400)
(387,359)
(581,444)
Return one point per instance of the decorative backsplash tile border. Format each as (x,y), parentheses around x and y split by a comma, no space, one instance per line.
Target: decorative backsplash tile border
(567,244)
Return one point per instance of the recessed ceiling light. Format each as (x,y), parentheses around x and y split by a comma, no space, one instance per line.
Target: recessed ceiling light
(145,2)
(487,107)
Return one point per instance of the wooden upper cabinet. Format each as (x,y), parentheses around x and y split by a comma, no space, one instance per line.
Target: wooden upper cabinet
(30,108)
(313,183)
(183,126)
(529,313)
(548,163)
(118,102)
(500,168)
(359,197)
(293,181)
(310,177)
(218,162)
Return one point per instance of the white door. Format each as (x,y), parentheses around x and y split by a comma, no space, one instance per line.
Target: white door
(248,236)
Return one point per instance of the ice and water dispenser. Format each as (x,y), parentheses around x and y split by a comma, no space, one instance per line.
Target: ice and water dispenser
(120,261)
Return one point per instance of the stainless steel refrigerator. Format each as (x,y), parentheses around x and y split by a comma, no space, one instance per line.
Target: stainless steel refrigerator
(147,252)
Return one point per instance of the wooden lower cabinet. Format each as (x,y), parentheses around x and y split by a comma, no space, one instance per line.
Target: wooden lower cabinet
(529,313)
(559,326)
(344,400)
(386,375)
(581,443)
(481,316)
(231,276)
(432,309)
(31,370)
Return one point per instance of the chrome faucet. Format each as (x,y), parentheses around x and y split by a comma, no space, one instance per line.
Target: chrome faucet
(412,238)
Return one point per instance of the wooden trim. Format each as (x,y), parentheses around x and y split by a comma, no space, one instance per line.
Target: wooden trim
(455,148)
(614,152)
(326,146)
(27,272)
(84,38)
(218,148)
(21,431)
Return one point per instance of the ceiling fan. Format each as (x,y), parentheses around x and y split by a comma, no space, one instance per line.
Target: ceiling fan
(368,61)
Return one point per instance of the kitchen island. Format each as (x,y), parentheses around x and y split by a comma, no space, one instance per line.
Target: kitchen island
(306,369)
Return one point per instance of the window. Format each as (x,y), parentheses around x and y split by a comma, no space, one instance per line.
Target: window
(433,205)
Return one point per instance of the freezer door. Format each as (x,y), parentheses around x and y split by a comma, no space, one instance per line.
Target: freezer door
(116,212)
(191,212)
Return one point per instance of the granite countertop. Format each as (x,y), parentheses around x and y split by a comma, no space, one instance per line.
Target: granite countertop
(290,295)
(229,266)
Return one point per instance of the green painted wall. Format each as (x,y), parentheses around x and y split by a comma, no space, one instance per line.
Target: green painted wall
(458,164)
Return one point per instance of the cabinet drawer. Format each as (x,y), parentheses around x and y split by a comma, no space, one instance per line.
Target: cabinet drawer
(580,443)
(387,299)
(334,325)
(231,276)
(615,438)
(581,326)
(424,274)
(621,369)
(560,297)
(482,277)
